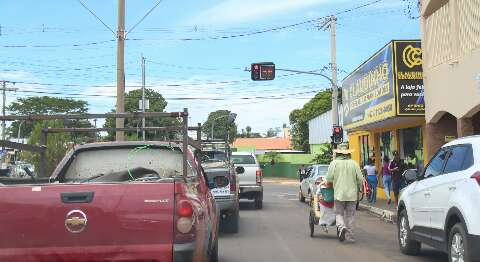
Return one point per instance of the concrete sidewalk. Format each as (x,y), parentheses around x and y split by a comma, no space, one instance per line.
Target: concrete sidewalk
(281,180)
(381,209)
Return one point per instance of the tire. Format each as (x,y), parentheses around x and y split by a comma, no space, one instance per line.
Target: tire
(301,198)
(457,240)
(214,251)
(232,223)
(258,203)
(406,244)
(311,223)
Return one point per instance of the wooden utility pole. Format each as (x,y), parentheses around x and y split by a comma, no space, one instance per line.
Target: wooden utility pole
(143,96)
(120,122)
(333,45)
(4,105)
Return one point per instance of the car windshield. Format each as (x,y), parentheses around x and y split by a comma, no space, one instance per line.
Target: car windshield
(243,159)
(123,165)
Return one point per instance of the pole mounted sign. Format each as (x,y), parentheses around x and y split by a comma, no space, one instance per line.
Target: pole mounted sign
(263,71)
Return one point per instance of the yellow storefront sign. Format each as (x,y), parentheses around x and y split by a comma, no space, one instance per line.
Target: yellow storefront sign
(376,113)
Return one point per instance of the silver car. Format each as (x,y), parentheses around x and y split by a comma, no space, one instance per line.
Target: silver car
(308,186)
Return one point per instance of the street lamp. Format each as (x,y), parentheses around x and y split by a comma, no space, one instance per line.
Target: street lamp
(231,119)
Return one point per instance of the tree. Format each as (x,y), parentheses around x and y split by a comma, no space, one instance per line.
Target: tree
(219,120)
(325,156)
(45,105)
(57,146)
(249,131)
(157,104)
(299,118)
(273,132)
(273,158)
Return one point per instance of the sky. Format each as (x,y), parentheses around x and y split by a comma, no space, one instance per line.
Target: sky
(196,51)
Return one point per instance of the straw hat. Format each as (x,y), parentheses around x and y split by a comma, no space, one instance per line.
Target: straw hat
(343,149)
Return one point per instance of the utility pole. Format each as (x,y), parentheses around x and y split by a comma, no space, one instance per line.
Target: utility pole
(143,96)
(4,105)
(333,45)
(120,122)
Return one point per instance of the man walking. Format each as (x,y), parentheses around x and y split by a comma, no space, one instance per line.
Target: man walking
(302,172)
(346,176)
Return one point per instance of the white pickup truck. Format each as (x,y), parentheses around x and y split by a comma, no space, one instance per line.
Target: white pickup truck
(251,180)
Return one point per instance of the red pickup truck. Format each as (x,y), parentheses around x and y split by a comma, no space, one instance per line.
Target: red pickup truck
(127,201)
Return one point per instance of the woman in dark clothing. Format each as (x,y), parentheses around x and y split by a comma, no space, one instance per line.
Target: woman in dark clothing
(396,168)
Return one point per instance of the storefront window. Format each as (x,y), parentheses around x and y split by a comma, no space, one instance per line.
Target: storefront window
(388,144)
(411,147)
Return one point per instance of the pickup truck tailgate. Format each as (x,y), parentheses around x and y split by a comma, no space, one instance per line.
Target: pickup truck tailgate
(249,177)
(87,221)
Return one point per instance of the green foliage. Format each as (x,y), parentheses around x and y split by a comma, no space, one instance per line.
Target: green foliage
(157,104)
(45,105)
(321,103)
(273,132)
(325,156)
(220,125)
(57,146)
(273,155)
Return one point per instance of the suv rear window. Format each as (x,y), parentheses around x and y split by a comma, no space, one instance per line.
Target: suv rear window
(243,160)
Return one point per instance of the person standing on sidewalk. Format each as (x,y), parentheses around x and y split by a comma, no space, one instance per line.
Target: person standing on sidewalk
(387,178)
(302,172)
(396,168)
(371,172)
(347,178)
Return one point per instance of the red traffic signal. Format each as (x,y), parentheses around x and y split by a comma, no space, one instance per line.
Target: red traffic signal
(337,137)
(263,71)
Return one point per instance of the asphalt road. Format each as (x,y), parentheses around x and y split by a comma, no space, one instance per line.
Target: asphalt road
(279,232)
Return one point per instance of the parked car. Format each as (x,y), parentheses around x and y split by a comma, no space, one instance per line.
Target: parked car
(113,201)
(308,186)
(223,181)
(440,207)
(251,181)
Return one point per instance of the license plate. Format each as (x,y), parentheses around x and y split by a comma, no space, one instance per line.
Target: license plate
(221,191)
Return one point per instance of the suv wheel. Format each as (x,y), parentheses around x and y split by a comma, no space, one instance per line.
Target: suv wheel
(457,244)
(407,245)
(258,202)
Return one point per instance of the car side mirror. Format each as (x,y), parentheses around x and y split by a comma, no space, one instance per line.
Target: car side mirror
(240,169)
(411,175)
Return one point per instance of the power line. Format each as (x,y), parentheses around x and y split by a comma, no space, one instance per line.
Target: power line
(98,18)
(55,46)
(145,16)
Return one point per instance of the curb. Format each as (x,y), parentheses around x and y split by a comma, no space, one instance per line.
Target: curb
(386,215)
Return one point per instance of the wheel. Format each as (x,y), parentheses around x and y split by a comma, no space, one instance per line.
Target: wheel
(232,223)
(407,245)
(457,244)
(258,203)
(301,198)
(214,251)
(311,223)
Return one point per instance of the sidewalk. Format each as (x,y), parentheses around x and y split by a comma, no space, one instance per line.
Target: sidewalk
(381,209)
(281,180)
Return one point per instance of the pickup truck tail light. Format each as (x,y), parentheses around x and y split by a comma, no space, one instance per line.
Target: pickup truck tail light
(476,176)
(184,228)
(233,184)
(258,175)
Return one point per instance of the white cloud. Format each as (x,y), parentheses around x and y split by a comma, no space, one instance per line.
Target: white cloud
(237,11)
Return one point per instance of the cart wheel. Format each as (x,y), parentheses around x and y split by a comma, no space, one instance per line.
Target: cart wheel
(312,223)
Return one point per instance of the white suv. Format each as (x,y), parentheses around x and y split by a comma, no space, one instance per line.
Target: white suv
(442,207)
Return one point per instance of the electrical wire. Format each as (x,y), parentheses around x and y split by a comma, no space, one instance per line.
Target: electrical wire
(98,18)
(145,16)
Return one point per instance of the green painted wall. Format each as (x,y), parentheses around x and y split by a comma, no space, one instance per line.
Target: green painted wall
(316,149)
(286,166)
(250,149)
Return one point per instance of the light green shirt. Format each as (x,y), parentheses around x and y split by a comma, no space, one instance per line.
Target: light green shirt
(346,176)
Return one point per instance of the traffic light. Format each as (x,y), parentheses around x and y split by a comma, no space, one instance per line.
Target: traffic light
(263,71)
(337,136)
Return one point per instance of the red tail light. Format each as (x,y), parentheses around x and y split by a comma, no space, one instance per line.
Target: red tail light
(476,176)
(184,216)
(318,181)
(233,184)
(259,176)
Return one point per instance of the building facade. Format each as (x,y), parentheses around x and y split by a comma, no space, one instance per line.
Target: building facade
(451,55)
(383,105)
(320,130)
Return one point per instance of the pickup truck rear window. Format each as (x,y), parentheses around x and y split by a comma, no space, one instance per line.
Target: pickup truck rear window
(243,160)
(123,165)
